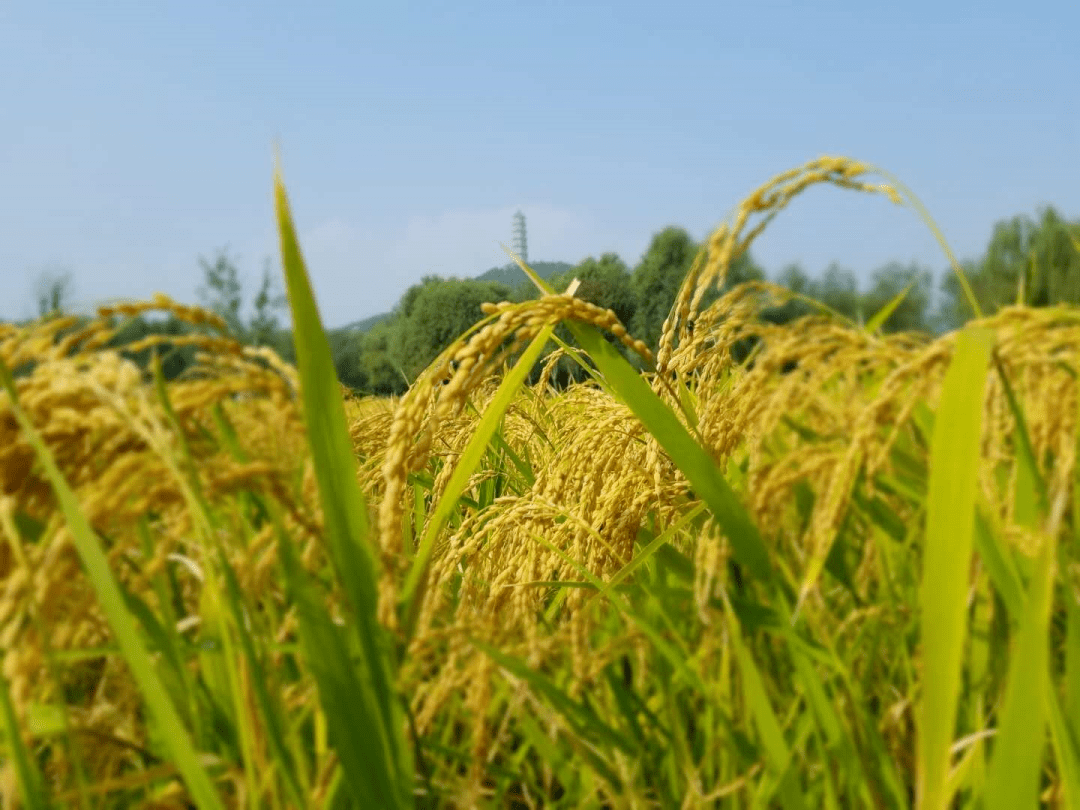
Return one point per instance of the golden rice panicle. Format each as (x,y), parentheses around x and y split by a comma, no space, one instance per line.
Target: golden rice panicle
(20,346)
(1036,349)
(121,452)
(852,396)
(592,494)
(43,340)
(462,367)
(676,324)
(550,364)
(196,316)
(729,242)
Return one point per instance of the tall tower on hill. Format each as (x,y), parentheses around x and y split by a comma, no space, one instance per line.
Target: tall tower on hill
(519,244)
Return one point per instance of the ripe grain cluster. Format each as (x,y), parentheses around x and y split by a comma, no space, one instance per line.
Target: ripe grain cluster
(562,607)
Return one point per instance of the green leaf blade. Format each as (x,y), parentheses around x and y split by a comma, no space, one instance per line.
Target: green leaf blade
(950,525)
(362,708)
(696,464)
(1013,777)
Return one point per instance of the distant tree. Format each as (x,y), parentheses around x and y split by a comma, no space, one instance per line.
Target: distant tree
(512,276)
(221,290)
(605,282)
(795,279)
(382,374)
(839,290)
(1036,262)
(346,350)
(891,280)
(407,303)
(657,279)
(52,291)
(952,307)
(663,268)
(222,293)
(434,313)
(263,329)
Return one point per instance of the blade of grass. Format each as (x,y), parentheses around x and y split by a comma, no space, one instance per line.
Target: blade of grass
(111,598)
(675,656)
(760,709)
(26,774)
(998,561)
(351,720)
(954,469)
(579,716)
(1072,617)
(882,315)
(559,761)
(1029,477)
(1007,582)
(1013,777)
(1072,663)
(271,713)
(1065,745)
(378,761)
(647,552)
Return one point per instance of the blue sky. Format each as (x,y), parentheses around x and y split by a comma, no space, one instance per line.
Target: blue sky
(136,137)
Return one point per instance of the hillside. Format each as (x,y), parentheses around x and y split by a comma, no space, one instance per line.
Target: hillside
(511,275)
(365,324)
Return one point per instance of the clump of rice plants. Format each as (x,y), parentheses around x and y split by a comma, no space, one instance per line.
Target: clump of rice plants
(839,573)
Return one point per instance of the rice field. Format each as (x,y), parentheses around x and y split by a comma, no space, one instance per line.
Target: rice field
(840,574)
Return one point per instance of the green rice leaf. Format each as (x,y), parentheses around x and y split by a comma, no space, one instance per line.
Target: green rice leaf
(345,694)
(1013,777)
(999,563)
(271,713)
(882,315)
(1066,747)
(1072,663)
(954,468)
(676,657)
(647,552)
(1072,618)
(580,715)
(777,753)
(696,464)
(1031,487)
(26,774)
(361,706)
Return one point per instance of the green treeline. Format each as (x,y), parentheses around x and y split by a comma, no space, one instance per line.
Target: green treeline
(1032,261)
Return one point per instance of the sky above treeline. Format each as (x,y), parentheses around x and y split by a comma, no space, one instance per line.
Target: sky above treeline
(138,137)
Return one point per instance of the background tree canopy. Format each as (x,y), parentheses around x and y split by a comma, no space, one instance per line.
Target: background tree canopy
(1036,262)
(1033,261)
(433,314)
